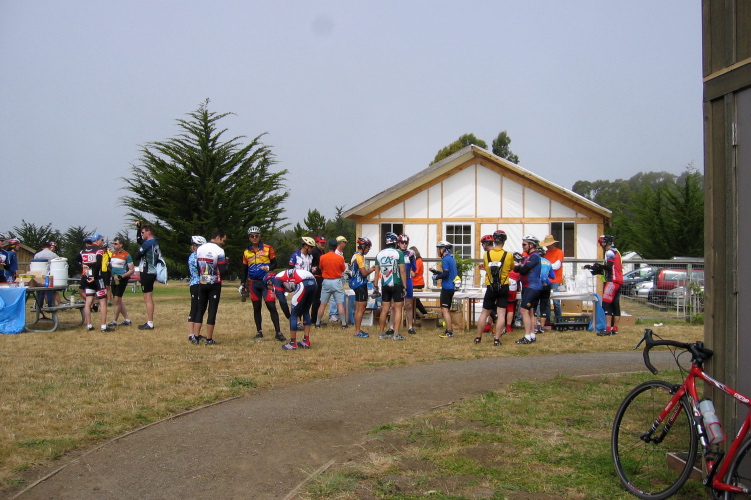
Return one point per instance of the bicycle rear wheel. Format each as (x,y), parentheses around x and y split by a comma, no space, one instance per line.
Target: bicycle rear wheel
(739,473)
(653,470)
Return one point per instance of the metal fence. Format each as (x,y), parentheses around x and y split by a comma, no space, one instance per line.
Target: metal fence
(670,285)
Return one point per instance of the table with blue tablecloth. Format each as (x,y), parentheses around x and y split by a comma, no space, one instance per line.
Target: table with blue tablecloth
(12,310)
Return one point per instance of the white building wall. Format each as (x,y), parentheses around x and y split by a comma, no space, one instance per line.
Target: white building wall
(488,193)
(416,207)
(536,204)
(435,205)
(459,194)
(395,212)
(512,204)
(558,210)
(586,241)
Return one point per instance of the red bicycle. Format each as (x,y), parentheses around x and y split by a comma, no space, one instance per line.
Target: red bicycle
(663,434)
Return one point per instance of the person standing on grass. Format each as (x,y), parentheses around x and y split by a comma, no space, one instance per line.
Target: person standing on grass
(529,269)
(150,254)
(555,256)
(121,264)
(48,253)
(303,286)
(341,244)
(409,267)
(90,259)
(358,282)
(195,242)
(418,281)
(315,267)
(258,259)
(612,274)
(11,259)
(389,272)
(303,260)
(211,264)
(447,275)
(332,268)
(497,264)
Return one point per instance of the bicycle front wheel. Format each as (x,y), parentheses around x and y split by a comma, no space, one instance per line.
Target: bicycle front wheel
(653,466)
(739,473)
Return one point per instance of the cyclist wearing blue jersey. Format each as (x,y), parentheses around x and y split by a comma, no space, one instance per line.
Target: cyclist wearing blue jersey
(529,269)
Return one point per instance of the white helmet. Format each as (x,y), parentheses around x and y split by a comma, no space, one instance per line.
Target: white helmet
(307,240)
(443,244)
(254,230)
(197,240)
(532,239)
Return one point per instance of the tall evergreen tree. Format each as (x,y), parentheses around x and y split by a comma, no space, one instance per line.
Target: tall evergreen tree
(501,147)
(458,144)
(197,182)
(35,236)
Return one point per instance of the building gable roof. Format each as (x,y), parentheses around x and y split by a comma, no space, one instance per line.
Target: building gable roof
(461,157)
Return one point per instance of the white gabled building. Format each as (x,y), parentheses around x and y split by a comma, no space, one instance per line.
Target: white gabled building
(472,193)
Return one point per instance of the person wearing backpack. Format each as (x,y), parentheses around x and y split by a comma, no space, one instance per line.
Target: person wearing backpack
(498,263)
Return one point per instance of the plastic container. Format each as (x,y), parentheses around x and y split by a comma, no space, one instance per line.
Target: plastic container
(38,266)
(712,425)
(59,270)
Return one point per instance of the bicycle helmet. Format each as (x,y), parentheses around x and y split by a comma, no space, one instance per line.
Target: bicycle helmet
(443,244)
(606,239)
(254,230)
(307,240)
(391,238)
(362,241)
(486,239)
(197,240)
(403,238)
(12,242)
(532,239)
(500,236)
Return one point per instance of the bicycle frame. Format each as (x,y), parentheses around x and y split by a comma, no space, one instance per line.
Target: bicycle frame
(713,477)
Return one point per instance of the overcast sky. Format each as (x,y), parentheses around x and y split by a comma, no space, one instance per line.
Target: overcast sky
(354,96)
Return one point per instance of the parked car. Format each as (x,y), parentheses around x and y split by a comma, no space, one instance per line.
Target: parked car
(642,289)
(677,296)
(670,278)
(633,278)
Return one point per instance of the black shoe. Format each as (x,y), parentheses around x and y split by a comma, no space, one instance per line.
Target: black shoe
(145,326)
(259,335)
(412,331)
(211,342)
(605,333)
(300,327)
(496,342)
(390,331)
(193,339)
(107,329)
(125,323)
(447,335)
(478,340)
(525,340)
(280,337)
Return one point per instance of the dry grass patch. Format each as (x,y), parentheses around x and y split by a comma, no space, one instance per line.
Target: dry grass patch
(72,388)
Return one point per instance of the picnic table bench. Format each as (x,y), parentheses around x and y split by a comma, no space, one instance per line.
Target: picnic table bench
(46,315)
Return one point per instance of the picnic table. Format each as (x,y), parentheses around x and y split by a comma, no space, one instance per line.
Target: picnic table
(46,315)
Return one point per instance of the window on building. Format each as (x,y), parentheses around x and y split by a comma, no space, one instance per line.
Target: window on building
(460,235)
(390,227)
(564,233)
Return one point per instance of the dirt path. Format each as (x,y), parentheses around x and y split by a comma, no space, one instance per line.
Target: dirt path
(265,445)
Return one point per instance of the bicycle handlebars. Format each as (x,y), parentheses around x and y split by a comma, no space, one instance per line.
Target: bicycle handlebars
(699,353)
